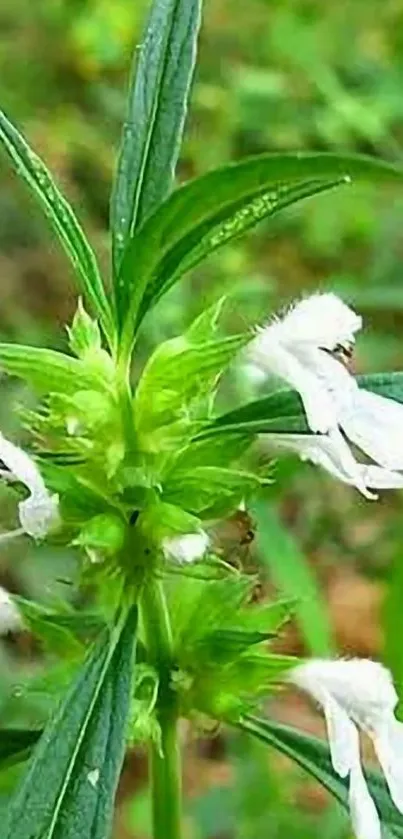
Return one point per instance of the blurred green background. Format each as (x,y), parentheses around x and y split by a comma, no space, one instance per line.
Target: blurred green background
(279,75)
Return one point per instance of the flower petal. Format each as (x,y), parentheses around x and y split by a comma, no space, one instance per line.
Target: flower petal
(186,548)
(388,743)
(269,354)
(374,423)
(380,478)
(322,320)
(10,618)
(364,815)
(343,737)
(332,452)
(21,466)
(38,514)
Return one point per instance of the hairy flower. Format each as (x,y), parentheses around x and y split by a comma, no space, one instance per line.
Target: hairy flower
(186,548)
(302,348)
(331,452)
(39,512)
(10,618)
(358,695)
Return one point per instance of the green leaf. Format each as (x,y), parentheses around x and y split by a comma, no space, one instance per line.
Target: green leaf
(84,334)
(291,574)
(57,210)
(153,127)
(179,373)
(222,205)
(64,633)
(282,412)
(48,370)
(104,533)
(16,744)
(70,782)
(204,327)
(214,451)
(386,384)
(208,487)
(313,755)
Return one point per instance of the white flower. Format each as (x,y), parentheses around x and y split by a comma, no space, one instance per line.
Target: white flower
(10,618)
(358,695)
(186,548)
(298,348)
(39,512)
(332,453)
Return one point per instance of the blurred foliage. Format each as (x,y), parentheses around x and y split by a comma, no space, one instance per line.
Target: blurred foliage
(278,75)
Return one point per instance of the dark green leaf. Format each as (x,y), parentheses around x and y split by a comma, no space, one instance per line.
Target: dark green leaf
(60,215)
(16,744)
(386,384)
(282,412)
(221,206)
(314,756)
(69,786)
(153,127)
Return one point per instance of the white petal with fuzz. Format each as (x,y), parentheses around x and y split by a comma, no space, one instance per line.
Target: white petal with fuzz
(39,512)
(358,695)
(10,618)
(187,548)
(298,348)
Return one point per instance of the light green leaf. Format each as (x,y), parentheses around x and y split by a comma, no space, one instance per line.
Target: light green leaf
(48,370)
(313,755)
(208,488)
(290,572)
(179,373)
(104,533)
(221,206)
(204,328)
(57,210)
(214,451)
(70,782)
(84,334)
(153,127)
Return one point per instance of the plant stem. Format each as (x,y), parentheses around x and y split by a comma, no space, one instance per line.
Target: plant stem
(165,763)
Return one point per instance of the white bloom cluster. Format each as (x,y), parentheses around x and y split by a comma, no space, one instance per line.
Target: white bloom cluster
(358,695)
(302,348)
(39,512)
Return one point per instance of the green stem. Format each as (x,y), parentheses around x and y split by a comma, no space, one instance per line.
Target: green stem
(165,763)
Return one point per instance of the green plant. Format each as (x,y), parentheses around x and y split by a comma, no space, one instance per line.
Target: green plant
(132,472)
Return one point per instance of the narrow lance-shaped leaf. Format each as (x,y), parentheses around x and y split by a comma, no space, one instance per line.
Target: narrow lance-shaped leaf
(153,127)
(282,411)
(313,755)
(61,217)
(70,782)
(222,205)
